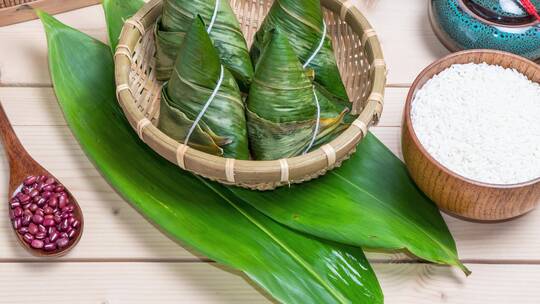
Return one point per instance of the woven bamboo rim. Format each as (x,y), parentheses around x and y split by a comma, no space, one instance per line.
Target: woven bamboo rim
(360,61)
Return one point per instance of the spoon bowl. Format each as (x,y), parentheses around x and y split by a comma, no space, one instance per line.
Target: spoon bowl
(22,166)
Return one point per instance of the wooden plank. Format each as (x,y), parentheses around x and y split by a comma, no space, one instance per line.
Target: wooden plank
(55,147)
(133,237)
(25,11)
(426,284)
(23,47)
(117,283)
(38,106)
(408,41)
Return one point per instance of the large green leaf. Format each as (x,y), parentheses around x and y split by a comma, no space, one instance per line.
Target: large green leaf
(282,105)
(370,201)
(292,267)
(195,76)
(225,33)
(116,12)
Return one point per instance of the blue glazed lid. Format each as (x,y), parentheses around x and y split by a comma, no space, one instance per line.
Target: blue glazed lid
(487,24)
(502,12)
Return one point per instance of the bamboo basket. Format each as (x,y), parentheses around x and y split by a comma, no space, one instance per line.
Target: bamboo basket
(361,64)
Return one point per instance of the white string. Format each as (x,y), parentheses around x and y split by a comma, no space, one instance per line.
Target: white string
(318,125)
(201,114)
(213,17)
(321,43)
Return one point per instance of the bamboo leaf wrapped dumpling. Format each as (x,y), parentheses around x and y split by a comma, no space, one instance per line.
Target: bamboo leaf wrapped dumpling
(283,117)
(222,26)
(202,104)
(302,21)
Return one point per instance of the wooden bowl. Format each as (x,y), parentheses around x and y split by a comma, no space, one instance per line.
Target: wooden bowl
(359,58)
(453,193)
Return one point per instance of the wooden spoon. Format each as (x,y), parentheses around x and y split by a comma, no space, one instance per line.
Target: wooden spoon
(23,165)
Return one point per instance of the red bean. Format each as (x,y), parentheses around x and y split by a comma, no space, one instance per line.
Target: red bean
(59,188)
(62,242)
(53,202)
(65,225)
(33,207)
(24,198)
(40,235)
(72,233)
(18,212)
(62,202)
(48,222)
(23,230)
(33,228)
(49,181)
(28,237)
(57,219)
(41,201)
(49,247)
(37,244)
(42,228)
(39,212)
(26,219)
(38,219)
(46,194)
(29,180)
(54,236)
(48,210)
(17,223)
(33,193)
(15,203)
(49,188)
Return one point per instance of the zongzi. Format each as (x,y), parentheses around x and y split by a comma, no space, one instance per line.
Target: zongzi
(202,104)
(302,22)
(223,28)
(287,115)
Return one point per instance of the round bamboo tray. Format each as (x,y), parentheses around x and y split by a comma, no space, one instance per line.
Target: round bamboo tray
(453,193)
(360,60)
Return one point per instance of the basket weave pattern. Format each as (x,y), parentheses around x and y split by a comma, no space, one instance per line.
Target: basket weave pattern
(360,62)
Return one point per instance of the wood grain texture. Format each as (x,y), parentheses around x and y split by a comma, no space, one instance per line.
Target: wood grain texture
(407,40)
(123,259)
(19,11)
(454,193)
(164,283)
(44,133)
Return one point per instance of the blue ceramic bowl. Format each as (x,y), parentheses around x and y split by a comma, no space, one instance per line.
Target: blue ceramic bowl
(486,24)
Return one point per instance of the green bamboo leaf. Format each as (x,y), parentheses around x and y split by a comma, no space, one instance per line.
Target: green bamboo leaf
(116,12)
(292,267)
(225,33)
(302,22)
(370,202)
(282,106)
(195,76)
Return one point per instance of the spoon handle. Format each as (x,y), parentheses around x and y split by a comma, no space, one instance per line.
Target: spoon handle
(12,145)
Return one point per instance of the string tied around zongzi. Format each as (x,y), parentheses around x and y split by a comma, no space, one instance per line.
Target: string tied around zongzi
(317,123)
(319,47)
(214,16)
(205,107)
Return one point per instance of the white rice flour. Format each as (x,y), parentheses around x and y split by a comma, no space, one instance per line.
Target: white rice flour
(482,122)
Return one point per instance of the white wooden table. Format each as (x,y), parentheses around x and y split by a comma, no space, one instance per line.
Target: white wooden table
(123,259)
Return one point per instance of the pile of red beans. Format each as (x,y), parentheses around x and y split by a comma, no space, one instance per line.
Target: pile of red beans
(42,213)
